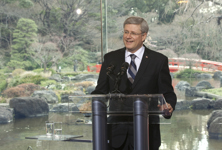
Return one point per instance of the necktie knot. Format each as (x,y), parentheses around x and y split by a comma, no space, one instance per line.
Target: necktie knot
(133,56)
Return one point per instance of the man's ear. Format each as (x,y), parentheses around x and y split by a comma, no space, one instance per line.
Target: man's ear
(144,36)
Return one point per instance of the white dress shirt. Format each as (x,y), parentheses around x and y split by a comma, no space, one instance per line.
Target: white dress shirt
(138,59)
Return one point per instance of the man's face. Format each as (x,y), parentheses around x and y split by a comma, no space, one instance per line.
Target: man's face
(133,38)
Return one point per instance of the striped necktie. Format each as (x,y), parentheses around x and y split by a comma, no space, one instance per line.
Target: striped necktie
(132,68)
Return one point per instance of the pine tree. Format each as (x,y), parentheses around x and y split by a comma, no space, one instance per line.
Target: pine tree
(23,36)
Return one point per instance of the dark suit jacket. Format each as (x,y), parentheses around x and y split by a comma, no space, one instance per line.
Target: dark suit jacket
(152,78)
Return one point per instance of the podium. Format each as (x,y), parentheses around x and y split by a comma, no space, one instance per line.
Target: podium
(139,107)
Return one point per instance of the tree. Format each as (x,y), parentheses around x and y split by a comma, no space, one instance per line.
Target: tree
(46,54)
(23,36)
(77,56)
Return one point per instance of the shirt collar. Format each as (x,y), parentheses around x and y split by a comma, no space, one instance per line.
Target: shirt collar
(138,53)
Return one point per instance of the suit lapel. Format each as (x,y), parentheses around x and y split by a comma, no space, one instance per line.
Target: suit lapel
(144,64)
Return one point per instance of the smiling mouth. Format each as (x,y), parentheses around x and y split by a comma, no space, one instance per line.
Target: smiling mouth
(129,41)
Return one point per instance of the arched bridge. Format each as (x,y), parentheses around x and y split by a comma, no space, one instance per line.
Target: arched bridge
(176,64)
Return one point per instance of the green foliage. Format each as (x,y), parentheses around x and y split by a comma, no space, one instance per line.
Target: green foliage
(77,56)
(42,70)
(187,73)
(6,70)
(9,1)
(146,5)
(3,83)
(26,3)
(59,97)
(69,74)
(47,82)
(14,64)
(32,79)
(17,72)
(3,100)
(23,36)
(216,91)
(36,79)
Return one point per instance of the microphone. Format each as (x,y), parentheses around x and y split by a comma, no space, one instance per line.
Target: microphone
(123,68)
(110,69)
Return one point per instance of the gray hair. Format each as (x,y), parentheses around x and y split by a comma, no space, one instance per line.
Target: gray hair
(139,21)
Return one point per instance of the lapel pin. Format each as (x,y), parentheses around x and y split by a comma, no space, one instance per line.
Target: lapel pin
(146,56)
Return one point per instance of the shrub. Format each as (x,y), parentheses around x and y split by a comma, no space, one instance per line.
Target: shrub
(216,91)
(3,82)
(187,73)
(17,72)
(3,85)
(2,100)
(22,90)
(13,81)
(42,70)
(84,84)
(70,74)
(47,82)
(32,79)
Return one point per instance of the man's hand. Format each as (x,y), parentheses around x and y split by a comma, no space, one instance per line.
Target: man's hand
(167,108)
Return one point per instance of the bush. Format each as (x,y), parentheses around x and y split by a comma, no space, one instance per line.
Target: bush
(36,79)
(3,82)
(22,90)
(6,70)
(33,79)
(216,91)
(2,100)
(47,82)
(187,73)
(17,72)
(84,84)
(42,70)
(3,85)
(70,74)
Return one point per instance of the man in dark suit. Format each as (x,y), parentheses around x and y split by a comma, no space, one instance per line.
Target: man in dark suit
(148,73)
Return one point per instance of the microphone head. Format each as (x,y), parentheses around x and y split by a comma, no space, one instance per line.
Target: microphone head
(125,65)
(110,68)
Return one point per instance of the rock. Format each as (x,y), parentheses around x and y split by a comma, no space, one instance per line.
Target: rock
(29,107)
(51,87)
(215,114)
(203,85)
(183,105)
(218,104)
(217,75)
(204,76)
(221,81)
(65,98)
(214,125)
(64,107)
(182,85)
(90,89)
(82,77)
(48,96)
(207,95)
(66,79)
(78,93)
(60,86)
(6,115)
(91,79)
(172,75)
(56,77)
(190,91)
(201,103)
(215,129)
